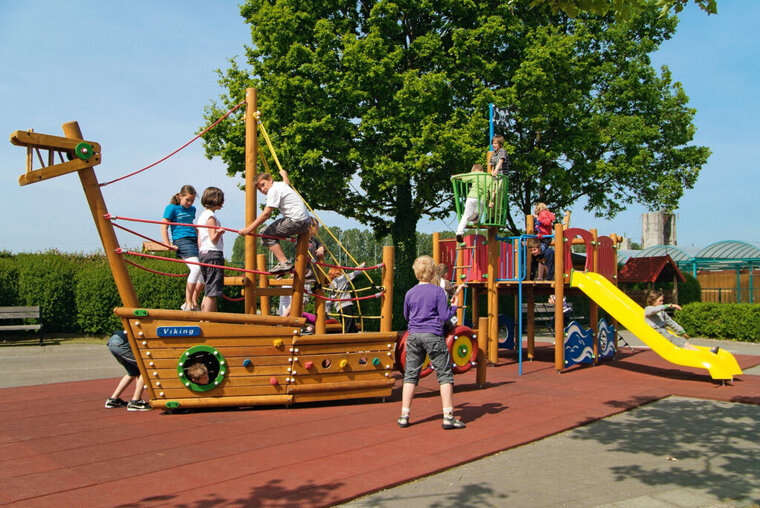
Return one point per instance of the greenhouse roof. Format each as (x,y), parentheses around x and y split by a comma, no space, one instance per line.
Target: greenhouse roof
(726,254)
(675,252)
(731,249)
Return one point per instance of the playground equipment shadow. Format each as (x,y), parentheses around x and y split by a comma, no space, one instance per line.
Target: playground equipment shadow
(62,447)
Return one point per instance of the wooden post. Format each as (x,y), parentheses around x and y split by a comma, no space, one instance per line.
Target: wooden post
(302,259)
(530,321)
(615,281)
(386,301)
(675,288)
(319,303)
(593,307)
(559,306)
(251,154)
(480,375)
(493,296)
(559,295)
(99,211)
(530,229)
(261,264)
(437,247)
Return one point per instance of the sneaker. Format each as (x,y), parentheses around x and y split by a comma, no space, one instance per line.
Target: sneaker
(183,306)
(472,218)
(196,308)
(403,421)
(452,423)
(113,403)
(138,405)
(715,350)
(460,238)
(282,267)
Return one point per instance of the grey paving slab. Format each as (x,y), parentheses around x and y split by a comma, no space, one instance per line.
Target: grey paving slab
(55,363)
(671,453)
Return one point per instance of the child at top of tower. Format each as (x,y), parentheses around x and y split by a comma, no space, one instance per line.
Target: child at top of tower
(184,241)
(498,165)
(475,203)
(211,247)
(295,216)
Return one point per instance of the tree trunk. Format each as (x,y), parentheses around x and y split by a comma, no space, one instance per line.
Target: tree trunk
(404,234)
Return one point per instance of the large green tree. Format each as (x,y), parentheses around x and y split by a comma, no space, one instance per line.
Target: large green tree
(621,8)
(373,105)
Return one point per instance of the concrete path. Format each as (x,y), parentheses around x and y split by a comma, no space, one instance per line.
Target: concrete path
(33,364)
(676,452)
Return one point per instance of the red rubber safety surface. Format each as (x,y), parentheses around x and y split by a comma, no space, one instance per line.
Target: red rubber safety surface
(60,447)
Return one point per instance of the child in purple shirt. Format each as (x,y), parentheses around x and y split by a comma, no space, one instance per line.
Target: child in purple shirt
(426,308)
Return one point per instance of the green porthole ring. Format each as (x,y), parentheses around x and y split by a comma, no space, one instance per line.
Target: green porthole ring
(84,151)
(201,348)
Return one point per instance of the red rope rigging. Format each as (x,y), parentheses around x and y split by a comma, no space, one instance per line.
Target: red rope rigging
(141,267)
(112,217)
(186,262)
(177,150)
(143,236)
(355,299)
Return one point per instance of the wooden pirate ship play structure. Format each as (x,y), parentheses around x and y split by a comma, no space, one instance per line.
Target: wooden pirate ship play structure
(254,358)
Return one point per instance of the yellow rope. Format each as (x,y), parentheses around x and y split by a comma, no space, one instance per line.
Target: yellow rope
(279,167)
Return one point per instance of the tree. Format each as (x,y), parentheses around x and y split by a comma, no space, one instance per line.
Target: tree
(373,105)
(591,119)
(621,8)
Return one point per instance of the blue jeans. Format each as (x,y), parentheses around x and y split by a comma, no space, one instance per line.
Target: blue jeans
(419,344)
(187,247)
(119,346)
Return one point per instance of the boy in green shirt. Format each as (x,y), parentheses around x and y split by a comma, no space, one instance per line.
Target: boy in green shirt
(475,204)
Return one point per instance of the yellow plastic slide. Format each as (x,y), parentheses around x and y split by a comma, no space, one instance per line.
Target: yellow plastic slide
(630,314)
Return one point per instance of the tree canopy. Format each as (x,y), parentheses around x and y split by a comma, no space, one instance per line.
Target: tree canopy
(373,105)
(621,8)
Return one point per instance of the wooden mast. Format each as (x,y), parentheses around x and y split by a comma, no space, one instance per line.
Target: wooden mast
(104,226)
(251,153)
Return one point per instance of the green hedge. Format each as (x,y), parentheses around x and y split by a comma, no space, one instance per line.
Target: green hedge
(47,280)
(8,280)
(76,293)
(96,297)
(736,321)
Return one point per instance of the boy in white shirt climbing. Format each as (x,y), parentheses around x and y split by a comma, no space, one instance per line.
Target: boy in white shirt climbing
(294,218)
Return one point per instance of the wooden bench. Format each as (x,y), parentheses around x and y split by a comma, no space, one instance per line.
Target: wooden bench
(18,313)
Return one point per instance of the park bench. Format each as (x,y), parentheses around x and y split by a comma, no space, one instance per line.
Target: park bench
(19,313)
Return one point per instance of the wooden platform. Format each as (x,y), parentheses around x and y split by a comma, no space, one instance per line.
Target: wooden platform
(61,447)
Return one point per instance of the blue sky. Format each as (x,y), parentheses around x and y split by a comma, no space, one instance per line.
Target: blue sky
(136,77)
